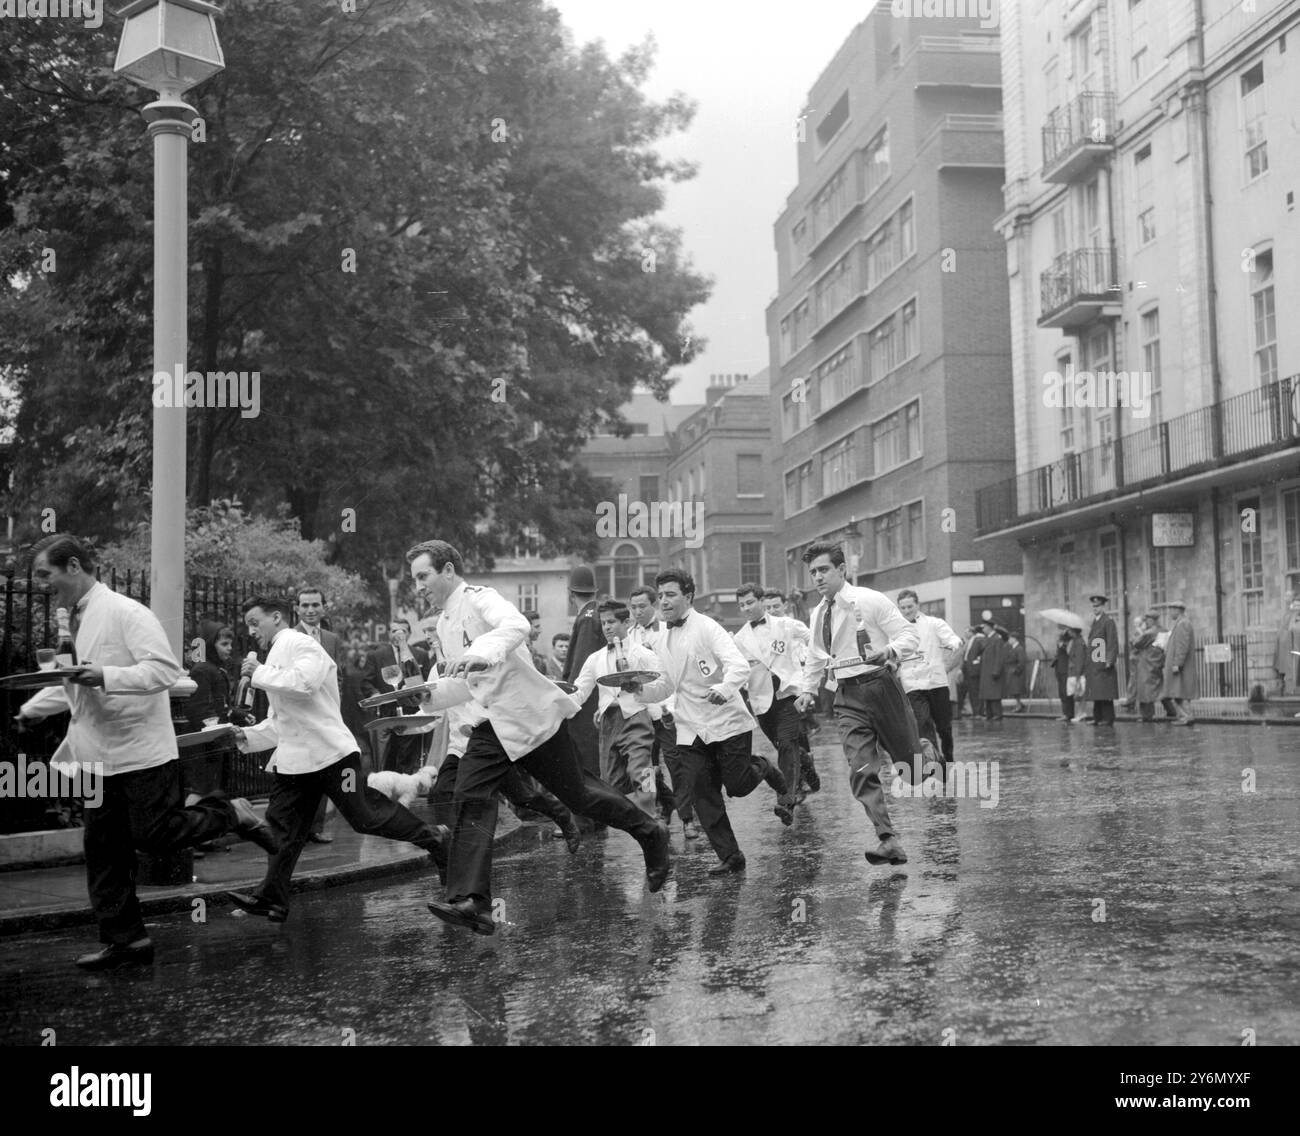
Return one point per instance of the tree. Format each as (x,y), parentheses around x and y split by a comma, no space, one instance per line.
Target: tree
(428,227)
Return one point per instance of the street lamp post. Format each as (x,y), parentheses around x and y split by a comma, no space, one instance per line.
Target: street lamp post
(169,46)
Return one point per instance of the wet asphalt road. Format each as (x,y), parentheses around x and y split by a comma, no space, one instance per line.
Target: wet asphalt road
(1124,890)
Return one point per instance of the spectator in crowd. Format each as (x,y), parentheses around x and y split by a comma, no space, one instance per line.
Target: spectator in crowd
(1148,666)
(586,638)
(559,651)
(1017,662)
(969,685)
(203,773)
(994,660)
(1068,666)
(1180,681)
(1101,679)
(1286,660)
(403,753)
(534,634)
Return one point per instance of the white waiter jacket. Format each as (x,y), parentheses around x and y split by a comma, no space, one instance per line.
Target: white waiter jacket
(600,663)
(304,724)
(696,658)
(523,705)
(771,644)
(648,637)
(926,668)
(880,618)
(125,734)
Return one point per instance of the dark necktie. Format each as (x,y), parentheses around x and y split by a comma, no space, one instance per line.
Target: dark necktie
(826,629)
(758,622)
(677,622)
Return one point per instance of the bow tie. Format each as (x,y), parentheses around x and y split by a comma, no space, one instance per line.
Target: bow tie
(758,622)
(676,622)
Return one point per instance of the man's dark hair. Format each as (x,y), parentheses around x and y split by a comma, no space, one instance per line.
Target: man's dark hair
(824,548)
(59,548)
(755,590)
(908,592)
(402,619)
(644,590)
(307,590)
(617,607)
(683,580)
(269,604)
(440,553)
(560,635)
(773,594)
(530,615)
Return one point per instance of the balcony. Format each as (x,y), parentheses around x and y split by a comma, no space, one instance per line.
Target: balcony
(955,61)
(966,140)
(1251,425)
(1078,136)
(1077,288)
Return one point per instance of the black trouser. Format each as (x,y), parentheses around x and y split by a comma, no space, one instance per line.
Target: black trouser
(712,765)
(682,795)
(1067,705)
(877,725)
(932,709)
(783,727)
(517,787)
(1103,710)
(143,810)
(485,769)
(993,709)
(294,798)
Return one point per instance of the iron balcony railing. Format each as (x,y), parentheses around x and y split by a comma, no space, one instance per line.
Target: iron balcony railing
(1080,274)
(1086,120)
(1267,418)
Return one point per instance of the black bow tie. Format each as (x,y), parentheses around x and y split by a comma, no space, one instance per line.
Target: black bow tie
(676,622)
(757,622)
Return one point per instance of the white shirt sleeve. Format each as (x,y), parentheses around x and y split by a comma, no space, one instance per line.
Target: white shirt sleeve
(306,670)
(155,668)
(508,627)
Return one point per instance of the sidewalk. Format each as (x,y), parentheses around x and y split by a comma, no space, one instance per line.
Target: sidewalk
(38,899)
(1206,711)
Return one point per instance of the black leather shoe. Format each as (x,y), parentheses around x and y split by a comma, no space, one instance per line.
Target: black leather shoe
(733,863)
(252,827)
(464,913)
(256,905)
(785,812)
(658,861)
(118,954)
(319,838)
(889,851)
(811,779)
(572,835)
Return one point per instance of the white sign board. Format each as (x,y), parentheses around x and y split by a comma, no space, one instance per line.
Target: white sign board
(1173,530)
(967,567)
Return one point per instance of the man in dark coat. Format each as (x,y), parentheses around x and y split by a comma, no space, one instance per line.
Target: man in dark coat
(585,639)
(994,661)
(1180,667)
(969,683)
(403,753)
(1148,666)
(1102,645)
(1017,684)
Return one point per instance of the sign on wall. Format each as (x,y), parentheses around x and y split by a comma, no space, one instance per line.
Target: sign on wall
(1173,530)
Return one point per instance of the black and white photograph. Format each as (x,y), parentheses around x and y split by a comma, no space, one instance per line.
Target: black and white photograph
(578,523)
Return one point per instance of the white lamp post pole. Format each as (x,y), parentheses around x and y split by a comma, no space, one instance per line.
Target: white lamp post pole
(169,46)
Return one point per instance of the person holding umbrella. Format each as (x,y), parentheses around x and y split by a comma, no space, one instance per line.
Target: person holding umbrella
(1068,666)
(1099,666)
(1148,665)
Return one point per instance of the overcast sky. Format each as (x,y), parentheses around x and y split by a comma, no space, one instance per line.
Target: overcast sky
(748,68)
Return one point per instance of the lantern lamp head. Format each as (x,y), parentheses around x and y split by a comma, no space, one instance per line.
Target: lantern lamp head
(169,46)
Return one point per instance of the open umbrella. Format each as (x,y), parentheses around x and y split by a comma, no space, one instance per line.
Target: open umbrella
(1060,615)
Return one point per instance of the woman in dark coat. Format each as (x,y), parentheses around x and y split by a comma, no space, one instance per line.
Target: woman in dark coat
(1149,666)
(203,773)
(1017,661)
(993,662)
(1068,666)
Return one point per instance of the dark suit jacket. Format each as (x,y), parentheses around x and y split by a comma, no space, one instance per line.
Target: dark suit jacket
(586,639)
(384,656)
(333,646)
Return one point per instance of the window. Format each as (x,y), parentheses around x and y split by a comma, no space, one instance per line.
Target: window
(627,570)
(649,488)
(794,331)
(907,230)
(1146,205)
(795,410)
(911,344)
(1067,575)
(1251,550)
(936,608)
(883,350)
(1149,325)
(1156,576)
(1291,523)
(835,289)
(1138,37)
(1110,583)
(914,535)
(1264,318)
(838,466)
(799,241)
(834,118)
(1253,119)
(875,161)
(749,475)
(832,203)
(1081,55)
(837,378)
(897,438)
(888,529)
(526,597)
(882,253)
(751,561)
(798,488)
(1060,232)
